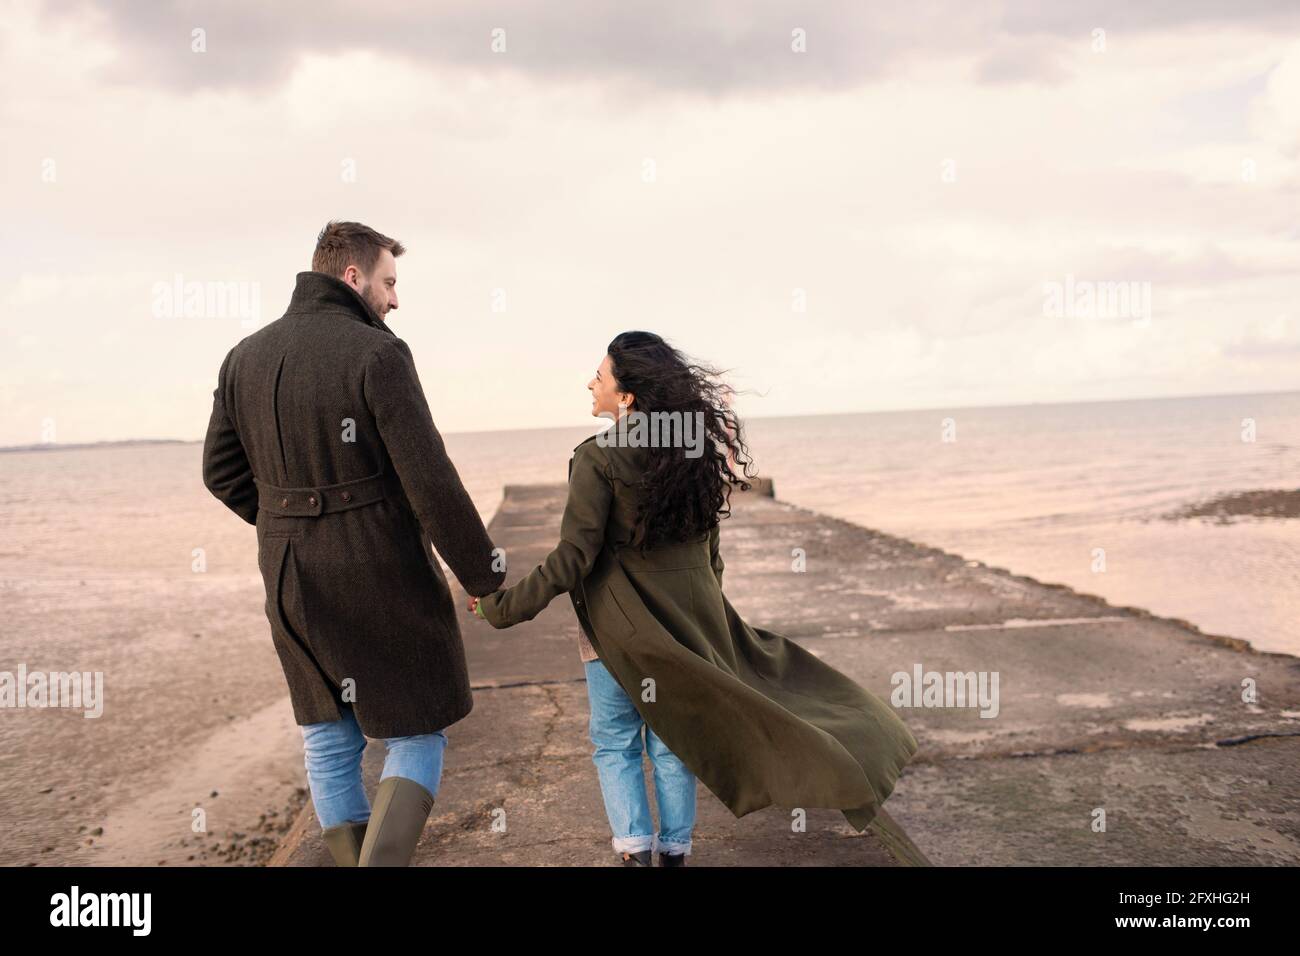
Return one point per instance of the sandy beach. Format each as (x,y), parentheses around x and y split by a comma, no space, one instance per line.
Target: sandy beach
(186,726)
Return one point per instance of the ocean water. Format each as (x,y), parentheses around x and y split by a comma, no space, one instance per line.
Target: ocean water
(1035,489)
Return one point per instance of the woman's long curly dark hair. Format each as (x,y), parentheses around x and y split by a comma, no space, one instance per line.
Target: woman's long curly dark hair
(682,497)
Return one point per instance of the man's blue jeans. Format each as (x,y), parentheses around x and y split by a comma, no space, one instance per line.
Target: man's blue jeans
(333,750)
(616,731)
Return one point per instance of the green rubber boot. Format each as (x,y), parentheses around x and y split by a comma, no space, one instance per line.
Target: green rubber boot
(397,819)
(344,842)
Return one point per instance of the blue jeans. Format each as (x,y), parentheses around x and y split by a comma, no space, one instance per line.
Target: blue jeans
(616,731)
(333,751)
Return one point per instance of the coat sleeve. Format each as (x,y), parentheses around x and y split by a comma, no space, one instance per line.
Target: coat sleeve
(430,480)
(226,471)
(582,535)
(715,556)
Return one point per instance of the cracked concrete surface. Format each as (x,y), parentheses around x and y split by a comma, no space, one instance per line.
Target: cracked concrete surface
(1151,743)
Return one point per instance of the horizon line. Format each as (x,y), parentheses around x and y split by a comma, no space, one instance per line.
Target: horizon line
(36,446)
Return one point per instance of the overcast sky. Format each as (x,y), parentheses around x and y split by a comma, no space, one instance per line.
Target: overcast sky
(850,209)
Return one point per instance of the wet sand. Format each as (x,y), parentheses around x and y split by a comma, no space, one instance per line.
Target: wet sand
(195,717)
(115,560)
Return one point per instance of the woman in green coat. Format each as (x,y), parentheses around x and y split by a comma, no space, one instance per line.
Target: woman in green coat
(753,715)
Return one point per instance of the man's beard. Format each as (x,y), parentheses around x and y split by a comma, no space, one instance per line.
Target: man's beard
(378,307)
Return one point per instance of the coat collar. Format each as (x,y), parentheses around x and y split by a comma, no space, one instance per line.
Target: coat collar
(598,434)
(320,292)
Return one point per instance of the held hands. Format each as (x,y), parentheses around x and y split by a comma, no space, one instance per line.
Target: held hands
(475,606)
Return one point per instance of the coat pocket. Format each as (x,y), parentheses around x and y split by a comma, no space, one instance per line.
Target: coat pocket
(608,614)
(272,556)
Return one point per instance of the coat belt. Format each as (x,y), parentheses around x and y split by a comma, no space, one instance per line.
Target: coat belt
(313,500)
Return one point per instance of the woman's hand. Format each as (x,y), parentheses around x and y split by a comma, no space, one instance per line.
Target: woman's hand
(476,605)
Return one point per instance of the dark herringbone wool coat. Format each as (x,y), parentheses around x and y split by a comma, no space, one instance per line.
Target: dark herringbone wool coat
(321,436)
(752,714)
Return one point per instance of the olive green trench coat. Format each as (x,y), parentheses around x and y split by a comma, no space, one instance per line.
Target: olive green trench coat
(753,715)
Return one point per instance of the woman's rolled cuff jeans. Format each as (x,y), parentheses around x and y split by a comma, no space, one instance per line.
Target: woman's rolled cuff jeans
(616,733)
(333,750)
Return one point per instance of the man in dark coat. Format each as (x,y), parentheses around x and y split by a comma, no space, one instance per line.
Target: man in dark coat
(321,436)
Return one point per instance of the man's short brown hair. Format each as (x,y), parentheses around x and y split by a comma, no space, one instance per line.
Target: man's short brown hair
(343,244)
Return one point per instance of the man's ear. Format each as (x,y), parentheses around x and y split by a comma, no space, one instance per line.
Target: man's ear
(350,275)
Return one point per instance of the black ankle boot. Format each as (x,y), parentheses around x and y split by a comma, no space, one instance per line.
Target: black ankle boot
(672,859)
(637,859)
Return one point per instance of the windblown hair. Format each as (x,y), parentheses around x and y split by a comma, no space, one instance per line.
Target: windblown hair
(682,497)
(343,244)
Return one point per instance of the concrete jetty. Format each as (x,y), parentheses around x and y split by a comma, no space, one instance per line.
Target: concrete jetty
(1118,738)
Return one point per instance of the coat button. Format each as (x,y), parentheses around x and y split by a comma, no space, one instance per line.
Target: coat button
(284,502)
(346,496)
(312,501)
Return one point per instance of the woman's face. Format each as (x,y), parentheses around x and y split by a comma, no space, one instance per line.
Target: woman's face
(605,394)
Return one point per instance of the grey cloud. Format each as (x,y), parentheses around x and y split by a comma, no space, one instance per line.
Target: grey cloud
(700,46)
(1140,16)
(1036,61)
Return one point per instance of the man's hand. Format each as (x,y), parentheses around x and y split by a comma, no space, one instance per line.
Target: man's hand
(476,608)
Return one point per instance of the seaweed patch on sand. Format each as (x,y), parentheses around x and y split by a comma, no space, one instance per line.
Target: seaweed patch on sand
(1243,504)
